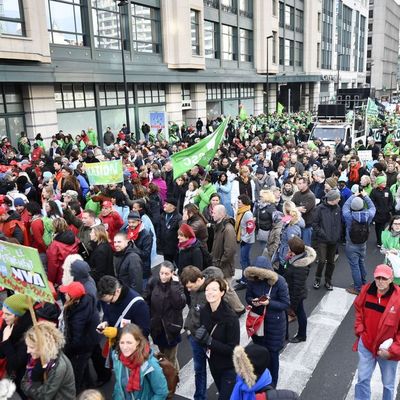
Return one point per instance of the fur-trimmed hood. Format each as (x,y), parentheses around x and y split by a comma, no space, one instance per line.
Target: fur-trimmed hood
(304,261)
(254,273)
(243,366)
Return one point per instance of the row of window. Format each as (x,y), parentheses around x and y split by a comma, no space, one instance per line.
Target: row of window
(217,91)
(290,53)
(291,18)
(245,7)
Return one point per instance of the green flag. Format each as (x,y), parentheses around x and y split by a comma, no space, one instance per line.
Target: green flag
(372,108)
(280,108)
(201,153)
(105,172)
(243,114)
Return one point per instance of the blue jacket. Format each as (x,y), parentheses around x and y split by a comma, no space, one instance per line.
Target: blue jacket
(345,193)
(84,185)
(288,231)
(363,216)
(138,314)
(260,280)
(225,193)
(152,381)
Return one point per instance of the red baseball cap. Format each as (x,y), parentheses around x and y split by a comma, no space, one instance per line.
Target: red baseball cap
(383,270)
(107,204)
(75,290)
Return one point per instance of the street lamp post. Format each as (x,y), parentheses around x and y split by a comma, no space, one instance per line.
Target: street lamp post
(267,88)
(338,75)
(121,4)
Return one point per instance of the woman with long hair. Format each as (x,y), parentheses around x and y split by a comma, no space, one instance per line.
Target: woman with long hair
(138,374)
(224,188)
(197,221)
(54,379)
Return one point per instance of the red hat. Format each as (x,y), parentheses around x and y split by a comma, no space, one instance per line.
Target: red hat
(187,231)
(75,290)
(383,270)
(107,204)
(3,211)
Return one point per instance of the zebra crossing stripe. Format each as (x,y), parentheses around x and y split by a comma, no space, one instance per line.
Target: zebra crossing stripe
(298,361)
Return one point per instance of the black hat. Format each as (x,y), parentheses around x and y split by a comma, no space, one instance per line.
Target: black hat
(134,215)
(172,201)
(260,170)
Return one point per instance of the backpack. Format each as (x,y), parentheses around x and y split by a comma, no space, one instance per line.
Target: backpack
(48,230)
(207,258)
(170,373)
(359,232)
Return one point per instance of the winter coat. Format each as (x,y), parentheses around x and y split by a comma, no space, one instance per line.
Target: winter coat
(169,233)
(101,260)
(203,197)
(296,273)
(287,232)
(114,223)
(138,313)
(81,320)
(389,324)
(274,237)
(128,268)
(192,255)
(36,235)
(162,186)
(14,348)
(224,192)
(327,223)
(263,215)
(197,302)
(225,336)
(224,248)
(305,199)
(80,272)
(60,383)
(63,244)
(247,227)
(236,192)
(259,282)
(166,302)
(383,202)
(108,138)
(199,227)
(144,243)
(152,380)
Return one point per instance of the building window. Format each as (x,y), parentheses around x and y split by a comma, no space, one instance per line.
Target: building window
(11,18)
(246,8)
(274,7)
(319,22)
(371,14)
(145,29)
(185,91)
(299,21)
(363,22)
(281,14)
(150,93)
(246,45)
(105,16)
(298,54)
(195,31)
(211,3)
(228,6)
(274,36)
(369,40)
(213,91)
(211,39)
(229,42)
(281,51)
(246,91)
(74,95)
(289,17)
(318,54)
(64,22)
(230,91)
(289,52)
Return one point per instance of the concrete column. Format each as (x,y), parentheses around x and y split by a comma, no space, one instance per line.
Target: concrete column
(199,105)
(40,111)
(272,97)
(174,103)
(259,99)
(314,95)
(305,97)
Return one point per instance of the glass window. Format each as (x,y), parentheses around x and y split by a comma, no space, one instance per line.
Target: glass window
(150,93)
(105,17)
(281,14)
(195,31)
(274,37)
(185,90)
(211,39)
(246,8)
(246,45)
(299,54)
(300,21)
(64,21)
(274,7)
(11,18)
(281,51)
(145,29)
(74,95)
(213,91)
(228,6)
(229,43)
(289,52)
(289,17)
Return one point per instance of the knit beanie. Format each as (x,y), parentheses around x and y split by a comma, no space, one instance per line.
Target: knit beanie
(380,180)
(357,204)
(187,231)
(333,195)
(332,182)
(16,304)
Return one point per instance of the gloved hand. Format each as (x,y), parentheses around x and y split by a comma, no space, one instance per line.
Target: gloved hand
(202,336)
(37,374)
(110,332)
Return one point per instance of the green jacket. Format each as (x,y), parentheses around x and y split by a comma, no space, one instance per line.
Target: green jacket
(92,136)
(152,380)
(391,242)
(203,198)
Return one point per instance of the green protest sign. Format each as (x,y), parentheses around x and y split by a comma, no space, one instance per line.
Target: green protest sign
(105,172)
(21,270)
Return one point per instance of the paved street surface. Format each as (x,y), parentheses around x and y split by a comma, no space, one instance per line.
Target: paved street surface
(324,367)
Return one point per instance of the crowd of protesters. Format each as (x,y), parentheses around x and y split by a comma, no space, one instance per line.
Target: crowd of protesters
(268,183)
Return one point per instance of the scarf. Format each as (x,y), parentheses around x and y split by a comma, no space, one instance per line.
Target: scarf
(240,213)
(354,175)
(133,234)
(186,243)
(134,370)
(242,392)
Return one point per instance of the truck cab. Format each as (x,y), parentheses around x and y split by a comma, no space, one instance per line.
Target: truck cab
(328,131)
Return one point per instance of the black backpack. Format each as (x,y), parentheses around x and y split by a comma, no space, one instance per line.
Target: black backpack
(359,232)
(207,258)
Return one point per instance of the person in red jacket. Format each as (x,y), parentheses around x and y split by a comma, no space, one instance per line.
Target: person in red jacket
(111,220)
(377,327)
(63,244)
(20,208)
(37,227)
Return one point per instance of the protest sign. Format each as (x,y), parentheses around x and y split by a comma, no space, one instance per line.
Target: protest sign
(105,172)
(365,155)
(21,270)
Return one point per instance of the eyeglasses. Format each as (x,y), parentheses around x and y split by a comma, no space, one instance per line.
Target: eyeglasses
(381,278)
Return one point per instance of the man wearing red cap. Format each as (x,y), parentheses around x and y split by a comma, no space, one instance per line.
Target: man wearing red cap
(377,327)
(111,220)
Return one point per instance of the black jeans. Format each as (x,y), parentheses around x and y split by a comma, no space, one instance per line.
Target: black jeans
(379,228)
(79,364)
(224,380)
(326,254)
(301,319)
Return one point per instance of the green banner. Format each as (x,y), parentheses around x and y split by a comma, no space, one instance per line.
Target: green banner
(372,108)
(21,270)
(201,153)
(279,108)
(105,172)
(243,114)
